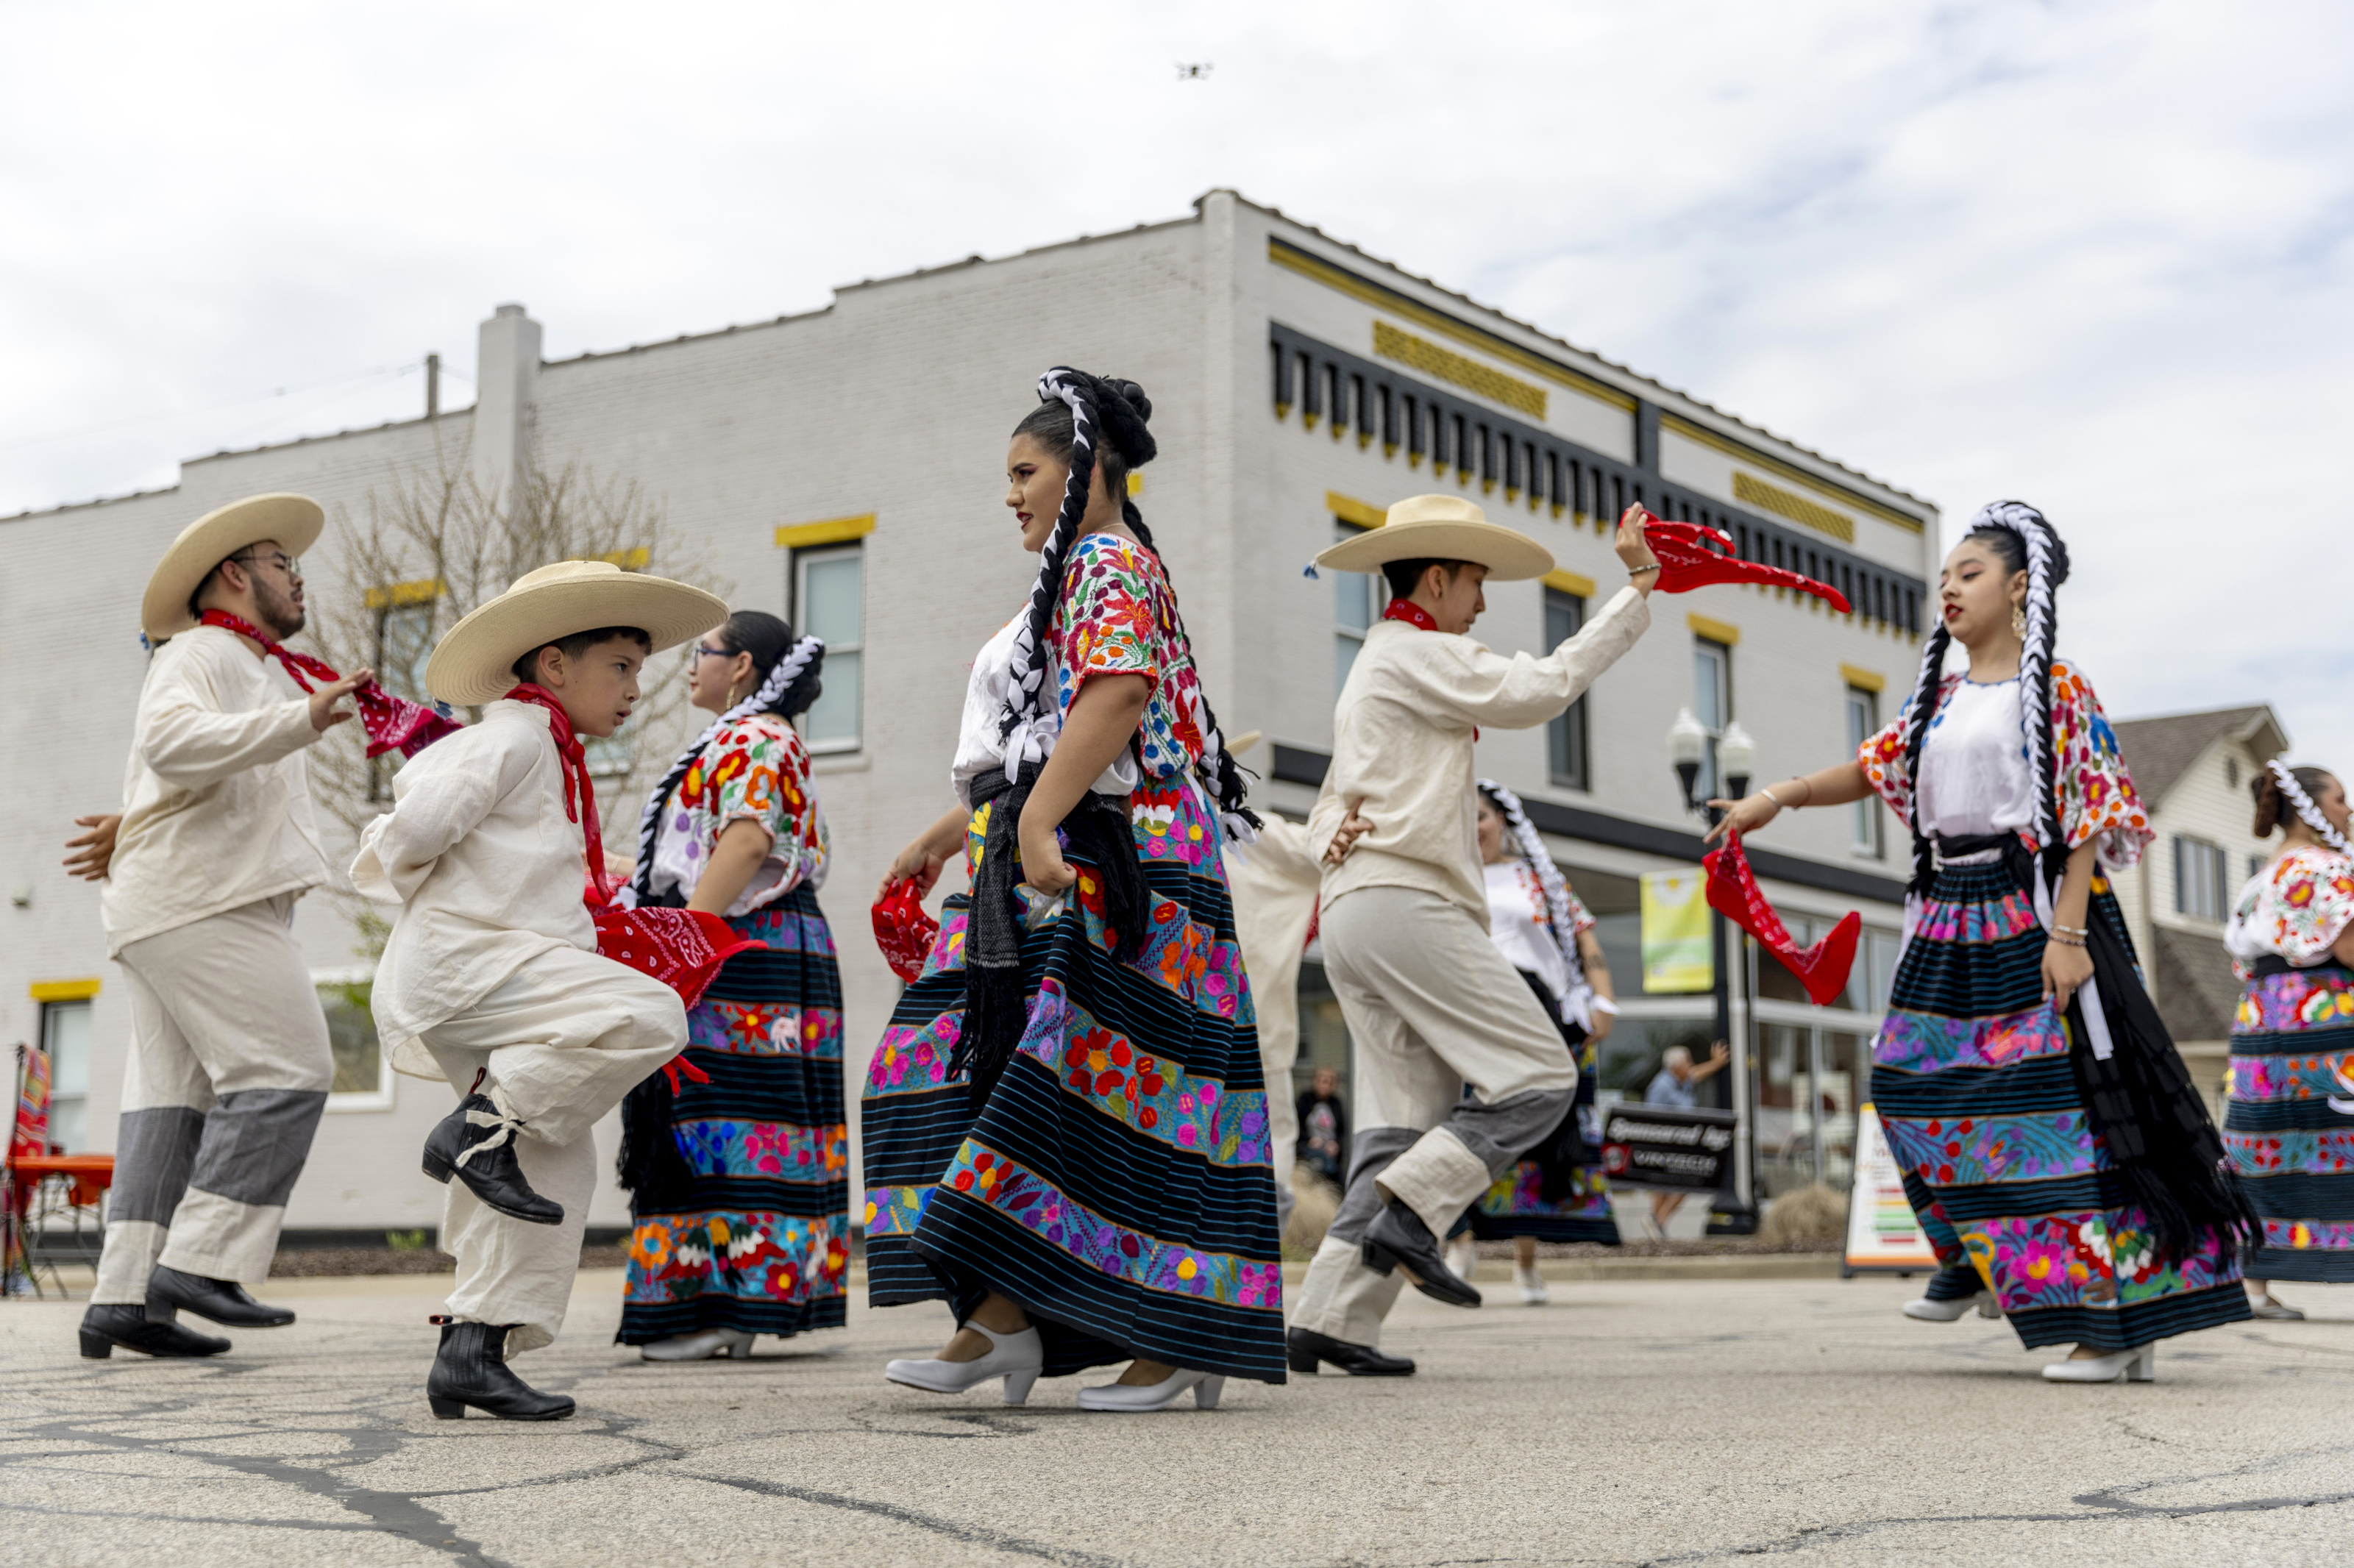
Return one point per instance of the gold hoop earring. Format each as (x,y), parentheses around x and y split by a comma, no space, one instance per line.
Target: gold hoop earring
(2019,621)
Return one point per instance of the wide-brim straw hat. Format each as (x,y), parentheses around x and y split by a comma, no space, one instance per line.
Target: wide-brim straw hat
(295,522)
(475,662)
(1441,528)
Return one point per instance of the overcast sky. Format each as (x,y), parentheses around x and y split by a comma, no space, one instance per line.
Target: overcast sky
(2093,256)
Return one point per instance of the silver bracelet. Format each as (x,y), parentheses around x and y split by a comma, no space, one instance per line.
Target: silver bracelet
(1769,794)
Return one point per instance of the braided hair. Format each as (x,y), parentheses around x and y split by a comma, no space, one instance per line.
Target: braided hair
(2280,784)
(788,684)
(2019,536)
(1549,879)
(1098,424)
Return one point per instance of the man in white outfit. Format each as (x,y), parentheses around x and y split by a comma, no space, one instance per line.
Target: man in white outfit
(1273,885)
(229,1065)
(1430,1002)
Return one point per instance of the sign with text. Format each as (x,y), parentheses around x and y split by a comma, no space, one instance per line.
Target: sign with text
(1678,953)
(1881,1233)
(1652,1146)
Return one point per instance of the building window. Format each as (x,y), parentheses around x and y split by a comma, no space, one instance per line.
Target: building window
(1712,704)
(2200,869)
(2256,865)
(363,1078)
(1566,737)
(404,641)
(829,601)
(1862,723)
(64,1039)
(1359,598)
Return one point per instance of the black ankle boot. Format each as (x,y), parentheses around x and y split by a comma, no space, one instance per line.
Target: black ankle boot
(225,1301)
(1398,1238)
(492,1173)
(472,1370)
(127,1325)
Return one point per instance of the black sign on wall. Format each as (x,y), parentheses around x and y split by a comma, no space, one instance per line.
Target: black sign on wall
(1651,1146)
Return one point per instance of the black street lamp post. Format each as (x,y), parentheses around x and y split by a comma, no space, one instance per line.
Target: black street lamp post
(1734,1211)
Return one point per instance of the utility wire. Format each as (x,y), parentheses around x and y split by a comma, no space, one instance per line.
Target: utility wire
(356,376)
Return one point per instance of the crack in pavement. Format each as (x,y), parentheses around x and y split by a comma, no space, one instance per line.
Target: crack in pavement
(971,1535)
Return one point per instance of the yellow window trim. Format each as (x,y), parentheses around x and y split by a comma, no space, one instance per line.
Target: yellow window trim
(832,531)
(64,990)
(1421,354)
(399,596)
(1751,491)
(628,560)
(1715,631)
(1788,472)
(1570,582)
(1135,484)
(1334,278)
(1863,680)
(1349,509)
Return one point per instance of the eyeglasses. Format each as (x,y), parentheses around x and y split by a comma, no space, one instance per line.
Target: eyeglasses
(703,653)
(290,564)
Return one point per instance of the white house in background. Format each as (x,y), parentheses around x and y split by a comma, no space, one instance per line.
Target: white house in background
(2193,772)
(844,467)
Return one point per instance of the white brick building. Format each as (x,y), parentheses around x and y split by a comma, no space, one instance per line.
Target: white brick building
(844,466)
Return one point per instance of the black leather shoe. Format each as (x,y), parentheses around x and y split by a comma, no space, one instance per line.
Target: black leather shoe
(1304,1347)
(472,1370)
(492,1175)
(127,1325)
(225,1301)
(1398,1239)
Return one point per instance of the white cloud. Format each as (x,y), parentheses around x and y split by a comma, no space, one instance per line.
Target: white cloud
(2094,256)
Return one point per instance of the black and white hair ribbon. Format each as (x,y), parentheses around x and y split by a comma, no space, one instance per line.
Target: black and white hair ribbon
(1575,999)
(2306,812)
(1031,720)
(797,662)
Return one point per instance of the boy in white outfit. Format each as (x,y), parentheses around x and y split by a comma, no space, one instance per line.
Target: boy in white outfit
(491,977)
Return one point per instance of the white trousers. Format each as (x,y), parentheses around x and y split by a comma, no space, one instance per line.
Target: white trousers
(1431,1005)
(561,1040)
(1273,885)
(228,1073)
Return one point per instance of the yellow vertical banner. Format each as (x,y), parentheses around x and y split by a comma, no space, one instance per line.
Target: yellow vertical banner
(1677,956)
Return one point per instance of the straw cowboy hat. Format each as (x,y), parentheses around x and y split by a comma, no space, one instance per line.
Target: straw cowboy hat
(293,521)
(1441,528)
(475,662)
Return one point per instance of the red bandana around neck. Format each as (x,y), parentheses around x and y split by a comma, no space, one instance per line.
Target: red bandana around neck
(1413,614)
(580,793)
(393,723)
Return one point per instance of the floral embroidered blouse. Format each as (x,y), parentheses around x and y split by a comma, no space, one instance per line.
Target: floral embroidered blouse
(1119,616)
(2297,908)
(2096,793)
(1521,925)
(755,770)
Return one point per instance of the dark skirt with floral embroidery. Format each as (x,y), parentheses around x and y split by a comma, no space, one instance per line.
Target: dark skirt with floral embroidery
(2290,1123)
(1546,1193)
(1117,1183)
(758,1239)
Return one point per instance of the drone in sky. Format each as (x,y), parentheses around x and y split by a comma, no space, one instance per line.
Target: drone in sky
(1200,72)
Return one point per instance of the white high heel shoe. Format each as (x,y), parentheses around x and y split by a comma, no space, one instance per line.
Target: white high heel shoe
(709,1344)
(1138,1397)
(1462,1258)
(1531,1284)
(1930,1311)
(1016,1358)
(2136,1365)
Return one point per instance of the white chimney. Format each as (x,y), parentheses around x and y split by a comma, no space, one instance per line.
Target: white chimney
(506,387)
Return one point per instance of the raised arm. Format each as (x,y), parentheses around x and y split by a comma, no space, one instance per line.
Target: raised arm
(1841,784)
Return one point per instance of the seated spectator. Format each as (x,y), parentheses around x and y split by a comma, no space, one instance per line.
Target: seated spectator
(1324,1128)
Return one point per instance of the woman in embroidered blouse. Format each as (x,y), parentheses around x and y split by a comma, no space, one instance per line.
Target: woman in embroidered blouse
(1557,1192)
(2055,1150)
(2289,1122)
(740,1183)
(1066,1130)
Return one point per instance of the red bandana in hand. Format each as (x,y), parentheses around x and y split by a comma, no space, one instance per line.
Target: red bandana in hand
(683,948)
(1413,614)
(579,791)
(903,930)
(1734,893)
(1693,557)
(393,723)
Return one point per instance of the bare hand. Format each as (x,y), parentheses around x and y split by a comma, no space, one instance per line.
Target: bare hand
(94,851)
(1744,816)
(1344,839)
(1719,1054)
(2065,969)
(1603,1022)
(916,863)
(1043,865)
(324,714)
(1633,549)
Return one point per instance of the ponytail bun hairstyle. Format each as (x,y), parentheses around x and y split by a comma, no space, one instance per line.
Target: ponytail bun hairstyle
(2282,792)
(1097,425)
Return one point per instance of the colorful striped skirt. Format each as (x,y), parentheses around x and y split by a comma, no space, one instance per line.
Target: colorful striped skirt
(1117,1183)
(759,1239)
(1580,1209)
(2290,1122)
(2012,1186)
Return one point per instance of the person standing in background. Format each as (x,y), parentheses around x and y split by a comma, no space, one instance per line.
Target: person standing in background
(1671,1088)
(1324,1128)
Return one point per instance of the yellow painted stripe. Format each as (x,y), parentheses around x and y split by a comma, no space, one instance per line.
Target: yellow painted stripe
(1349,509)
(628,560)
(1400,304)
(1715,631)
(1570,582)
(832,531)
(64,990)
(423,591)
(1751,491)
(1135,484)
(1781,470)
(1863,680)
(1421,354)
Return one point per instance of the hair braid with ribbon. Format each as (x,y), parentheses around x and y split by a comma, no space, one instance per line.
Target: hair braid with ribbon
(1549,879)
(2284,780)
(799,664)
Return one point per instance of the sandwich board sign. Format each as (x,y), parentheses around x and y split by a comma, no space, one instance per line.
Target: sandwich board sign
(1882,1236)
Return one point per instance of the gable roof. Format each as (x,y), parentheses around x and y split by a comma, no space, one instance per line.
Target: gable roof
(2159,751)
